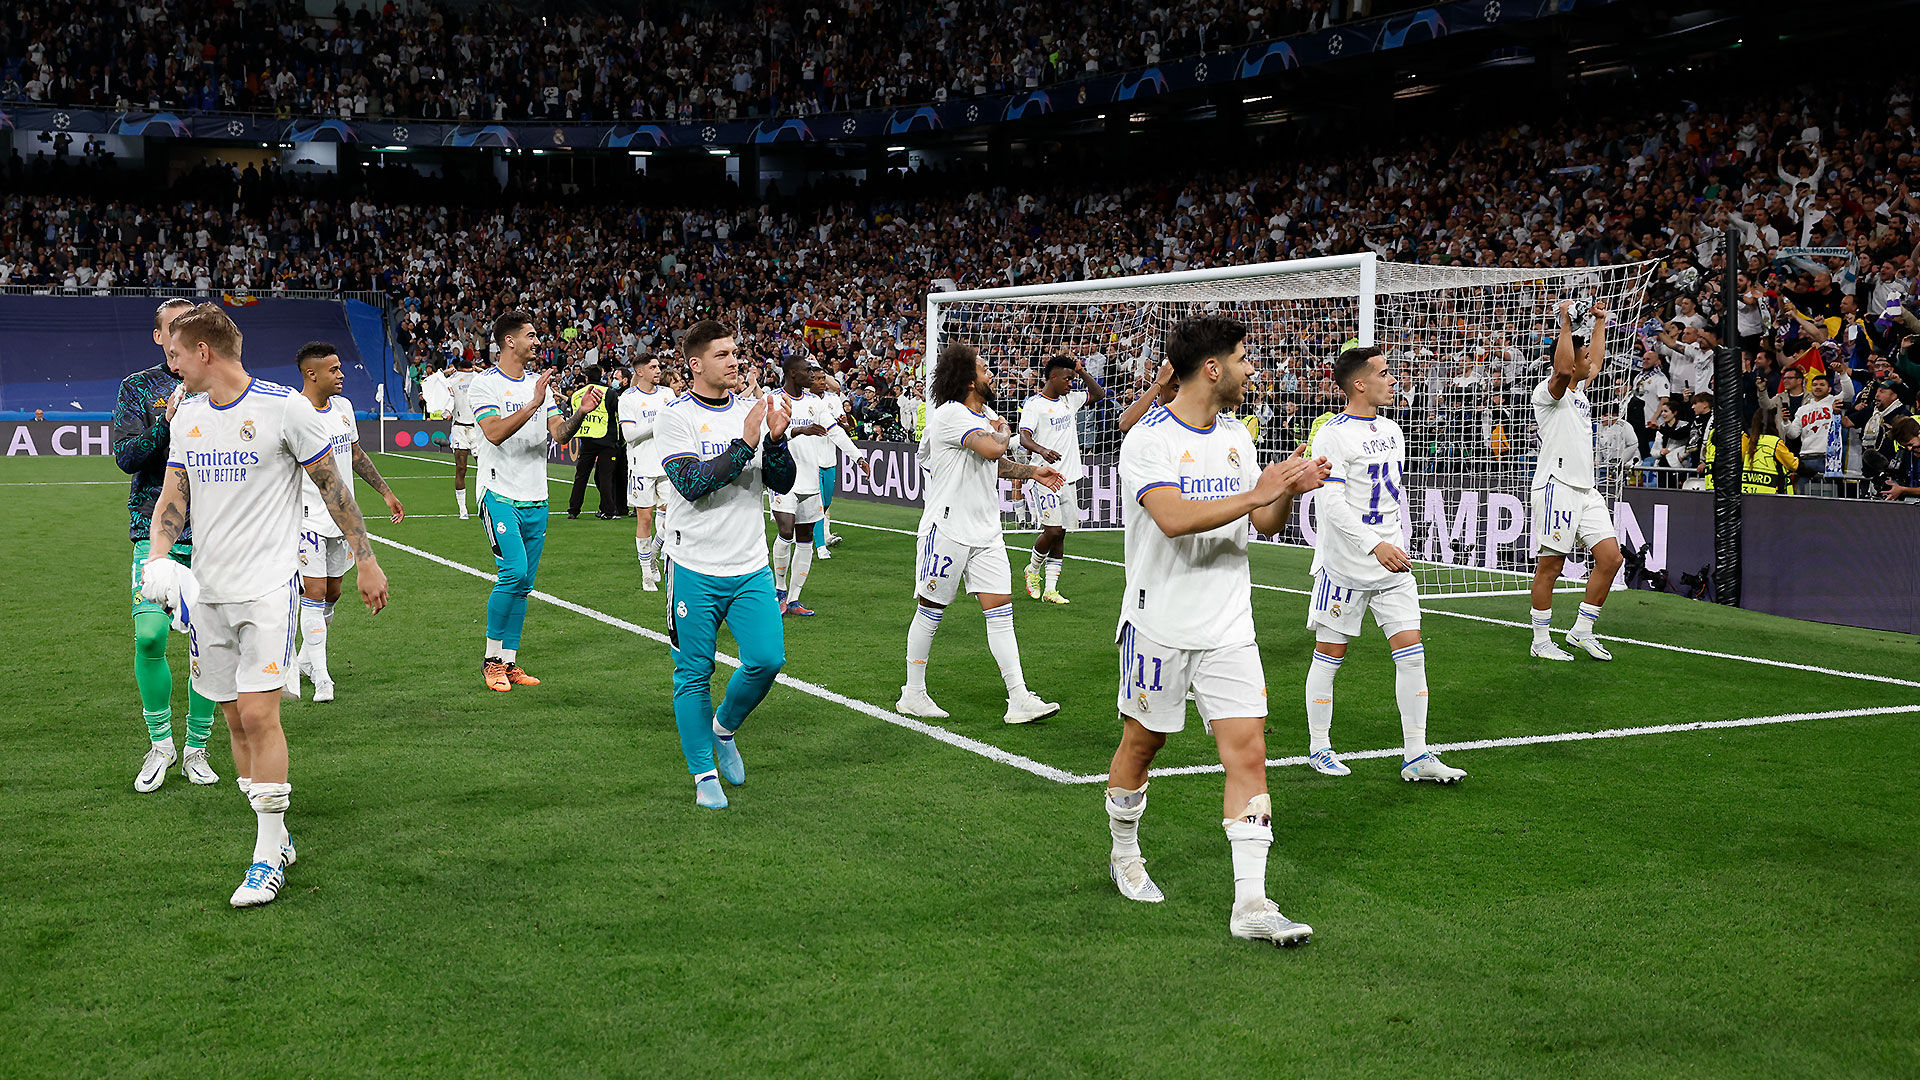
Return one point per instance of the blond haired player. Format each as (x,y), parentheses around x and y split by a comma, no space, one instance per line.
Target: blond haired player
(234,466)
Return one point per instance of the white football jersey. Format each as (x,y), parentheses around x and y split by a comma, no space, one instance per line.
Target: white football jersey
(803,410)
(722,533)
(641,409)
(517,468)
(1360,505)
(460,382)
(962,488)
(1566,437)
(1187,592)
(1051,423)
(243,462)
(337,420)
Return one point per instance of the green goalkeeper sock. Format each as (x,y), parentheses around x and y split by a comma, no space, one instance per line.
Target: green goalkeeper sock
(151,673)
(199,718)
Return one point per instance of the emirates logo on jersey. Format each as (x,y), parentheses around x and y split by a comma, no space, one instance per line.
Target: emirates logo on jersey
(246,431)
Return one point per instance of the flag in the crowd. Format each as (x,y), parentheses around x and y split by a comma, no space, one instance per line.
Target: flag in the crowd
(239,299)
(820,328)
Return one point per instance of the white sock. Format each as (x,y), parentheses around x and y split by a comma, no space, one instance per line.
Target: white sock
(313,637)
(1005,648)
(1053,574)
(326,609)
(710,774)
(1320,672)
(1250,836)
(1124,808)
(797,578)
(509,655)
(1583,624)
(1410,689)
(1542,622)
(926,622)
(164,744)
(245,784)
(270,812)
(782,559)
(460,494)
(1037,561)
(644,546)
(720,731)
(493,648)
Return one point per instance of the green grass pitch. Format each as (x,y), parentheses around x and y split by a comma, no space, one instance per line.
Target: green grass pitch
(520,884)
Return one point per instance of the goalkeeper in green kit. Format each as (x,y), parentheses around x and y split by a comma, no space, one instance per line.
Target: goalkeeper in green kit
(141,428)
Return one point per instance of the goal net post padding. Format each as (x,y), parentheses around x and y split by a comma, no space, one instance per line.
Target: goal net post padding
(1467,345)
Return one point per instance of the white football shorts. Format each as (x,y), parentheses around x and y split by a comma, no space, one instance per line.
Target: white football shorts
(324,556)
(243,648)
(644,492)
(1227,681)
(463,437)
(1335,613)
(1057,509)
(804,508)
(944,563)
(1567,519)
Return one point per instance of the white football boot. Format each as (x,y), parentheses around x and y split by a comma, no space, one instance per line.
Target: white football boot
(1129,874)
(918,703)
(1590,643)
(260,886)
(1428,767)
(1026,707)
(194,766)
(323,689)
(1547,650)
(1260,920)
(1325,763)
(153,768)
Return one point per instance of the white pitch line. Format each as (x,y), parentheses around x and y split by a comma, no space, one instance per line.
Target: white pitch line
(1536,740)
(940,734)
(1810,668)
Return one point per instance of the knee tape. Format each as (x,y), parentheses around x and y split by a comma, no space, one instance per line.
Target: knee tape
(1126,804)
(1258,816)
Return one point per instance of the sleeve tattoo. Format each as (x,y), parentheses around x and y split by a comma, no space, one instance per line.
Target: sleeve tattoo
(170,513)
(1013,470)
(337,492)
(364,468)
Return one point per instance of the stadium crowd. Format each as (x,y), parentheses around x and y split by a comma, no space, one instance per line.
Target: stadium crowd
(490,63)
(842,271)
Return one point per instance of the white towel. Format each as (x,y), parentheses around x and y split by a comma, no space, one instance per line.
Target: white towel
(173,587)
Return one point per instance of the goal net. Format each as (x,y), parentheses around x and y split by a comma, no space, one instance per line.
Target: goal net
(1468,345)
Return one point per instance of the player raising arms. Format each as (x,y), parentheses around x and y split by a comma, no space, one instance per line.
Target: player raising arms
(324,554)
(1569,513)
(964,451)
(1191,484)
(142,419)
(721,450)
(1049,433)
(461,437)
(640,406)
(1358,565)
(516,417)
(237,451)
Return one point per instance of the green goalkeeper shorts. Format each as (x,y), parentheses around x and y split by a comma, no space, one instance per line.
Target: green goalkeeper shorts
(182,553)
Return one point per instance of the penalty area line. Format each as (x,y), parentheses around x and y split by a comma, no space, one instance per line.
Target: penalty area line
(939,734)
(1537,740)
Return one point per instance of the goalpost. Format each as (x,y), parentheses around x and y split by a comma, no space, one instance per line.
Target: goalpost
(1467,344)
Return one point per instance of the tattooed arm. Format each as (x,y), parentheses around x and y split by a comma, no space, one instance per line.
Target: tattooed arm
(363,468)
(337,492)
(1044,474)
(169,514)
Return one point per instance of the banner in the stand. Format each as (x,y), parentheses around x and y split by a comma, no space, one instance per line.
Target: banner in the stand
(1099,92)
